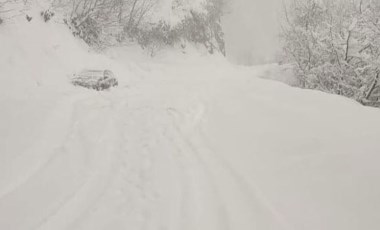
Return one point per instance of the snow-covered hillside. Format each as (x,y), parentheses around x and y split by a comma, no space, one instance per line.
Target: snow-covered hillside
(185,142)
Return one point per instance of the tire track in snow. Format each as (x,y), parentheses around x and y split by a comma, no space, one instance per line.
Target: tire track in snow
(62,114)
(130,197)
(103,156)
(258,211)
(263,214)
(42,197)
(190,160)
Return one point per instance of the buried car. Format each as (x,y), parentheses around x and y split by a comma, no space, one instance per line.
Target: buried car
(95,79)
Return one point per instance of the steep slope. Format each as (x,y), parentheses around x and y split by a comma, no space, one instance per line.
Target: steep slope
(185,142)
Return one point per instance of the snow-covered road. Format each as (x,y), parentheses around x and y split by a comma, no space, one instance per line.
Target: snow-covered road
(186,142)
(132,158)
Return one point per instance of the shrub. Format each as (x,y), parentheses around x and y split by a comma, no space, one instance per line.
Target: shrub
(196,27)
(86,29)
(156,37)
(102,23)
(199,29)
(47,15)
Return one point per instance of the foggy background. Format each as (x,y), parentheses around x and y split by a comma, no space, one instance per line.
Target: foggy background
(251,28)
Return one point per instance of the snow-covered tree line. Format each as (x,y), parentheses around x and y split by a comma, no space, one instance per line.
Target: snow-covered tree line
(109,22)
(334,44)
(104,23)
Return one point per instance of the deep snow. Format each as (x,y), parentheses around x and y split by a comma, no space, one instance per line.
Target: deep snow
(187,141)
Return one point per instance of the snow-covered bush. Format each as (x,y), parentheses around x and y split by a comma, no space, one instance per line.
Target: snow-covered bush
(334,44)
(204,26)
(104,22)
(156,37)
(47,15)
(197,29)
(201,26)
(88,30)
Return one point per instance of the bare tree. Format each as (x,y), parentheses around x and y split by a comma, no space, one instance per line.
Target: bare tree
(105,18)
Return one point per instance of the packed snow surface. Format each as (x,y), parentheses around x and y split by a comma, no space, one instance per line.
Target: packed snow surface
(186,142)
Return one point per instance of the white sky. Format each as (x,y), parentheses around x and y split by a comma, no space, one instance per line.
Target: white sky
(251,31)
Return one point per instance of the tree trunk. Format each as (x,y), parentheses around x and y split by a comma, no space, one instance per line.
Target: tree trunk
(374,84)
